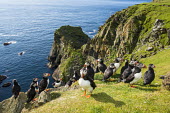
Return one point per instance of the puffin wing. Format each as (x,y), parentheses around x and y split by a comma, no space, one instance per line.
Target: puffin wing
(130,78)
(97,70)
(102,67)
(107,74)
(30,95)
(126,73)
(15,90)
(91,82)
(146,77)
(42,85)
(122,70)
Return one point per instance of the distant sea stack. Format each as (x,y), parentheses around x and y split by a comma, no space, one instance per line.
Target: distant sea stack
(137,32)
(66,55)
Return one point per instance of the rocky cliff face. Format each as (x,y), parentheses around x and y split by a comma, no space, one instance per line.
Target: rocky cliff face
(13,105)
(131,31)
(136,32)
(65,54)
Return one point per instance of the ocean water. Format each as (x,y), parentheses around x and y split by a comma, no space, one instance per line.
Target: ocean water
(30,25)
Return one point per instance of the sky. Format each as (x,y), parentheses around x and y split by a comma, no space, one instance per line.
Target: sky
(67,2)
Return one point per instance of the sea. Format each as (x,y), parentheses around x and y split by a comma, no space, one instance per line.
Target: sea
(29,26)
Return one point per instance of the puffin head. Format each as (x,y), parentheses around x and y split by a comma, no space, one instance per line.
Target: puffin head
(86,64)
(151,66)
(46,75)
(118,59)
(112,65)
(140,65)
(35,82)
(15,82)
(83,73)
(100,60)
(35,79)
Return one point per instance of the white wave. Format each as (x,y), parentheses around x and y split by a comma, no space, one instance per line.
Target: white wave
(92,32)
(13,42)
(1,34)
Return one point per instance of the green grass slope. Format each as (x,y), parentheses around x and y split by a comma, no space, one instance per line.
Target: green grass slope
(117,97)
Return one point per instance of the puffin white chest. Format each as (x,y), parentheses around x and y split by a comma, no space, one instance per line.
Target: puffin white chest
(85,84)
(48,81)
(117,65)
(137,77)
(57,84)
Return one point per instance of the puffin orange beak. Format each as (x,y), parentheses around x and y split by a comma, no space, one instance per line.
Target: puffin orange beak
(48,74)
(36,79)
(84,65)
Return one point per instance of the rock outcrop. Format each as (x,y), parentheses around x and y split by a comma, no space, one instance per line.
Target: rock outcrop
(13,105)
(2,77)
(65,54)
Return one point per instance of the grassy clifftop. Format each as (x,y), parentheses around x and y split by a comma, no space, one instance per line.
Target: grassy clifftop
(117,35)
(118,97)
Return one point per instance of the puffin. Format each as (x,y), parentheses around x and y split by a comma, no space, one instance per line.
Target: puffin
(89,69)
(73,79)
(32,91)
(149,75)
(16,88)
(109,72)
(75,76)
(44,83)
(127,71)
(57,83)
(101,67)
(87,83)
(117,62)
(34,81)
(69,83)
(135,75)
(124,67)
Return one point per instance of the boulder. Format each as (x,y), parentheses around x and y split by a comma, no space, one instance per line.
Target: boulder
(6,84)
(7,43)
(13,105)
(149,49)
(166,81)
(44,97)
(2,77)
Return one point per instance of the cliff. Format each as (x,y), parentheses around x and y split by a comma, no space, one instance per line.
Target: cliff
(65,54)
(132,31)
(137,32)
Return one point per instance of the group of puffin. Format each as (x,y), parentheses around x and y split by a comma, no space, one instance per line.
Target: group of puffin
(43,84)
(130,73)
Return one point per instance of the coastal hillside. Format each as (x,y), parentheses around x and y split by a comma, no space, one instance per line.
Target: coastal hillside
(140,32)
(117,97)
(137,32)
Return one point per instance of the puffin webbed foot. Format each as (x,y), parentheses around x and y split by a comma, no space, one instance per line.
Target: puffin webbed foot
(88,96)
(84,93)
(132,86)
(35,99)
(47,90)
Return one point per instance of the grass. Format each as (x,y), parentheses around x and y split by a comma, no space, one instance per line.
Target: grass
(117,97)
